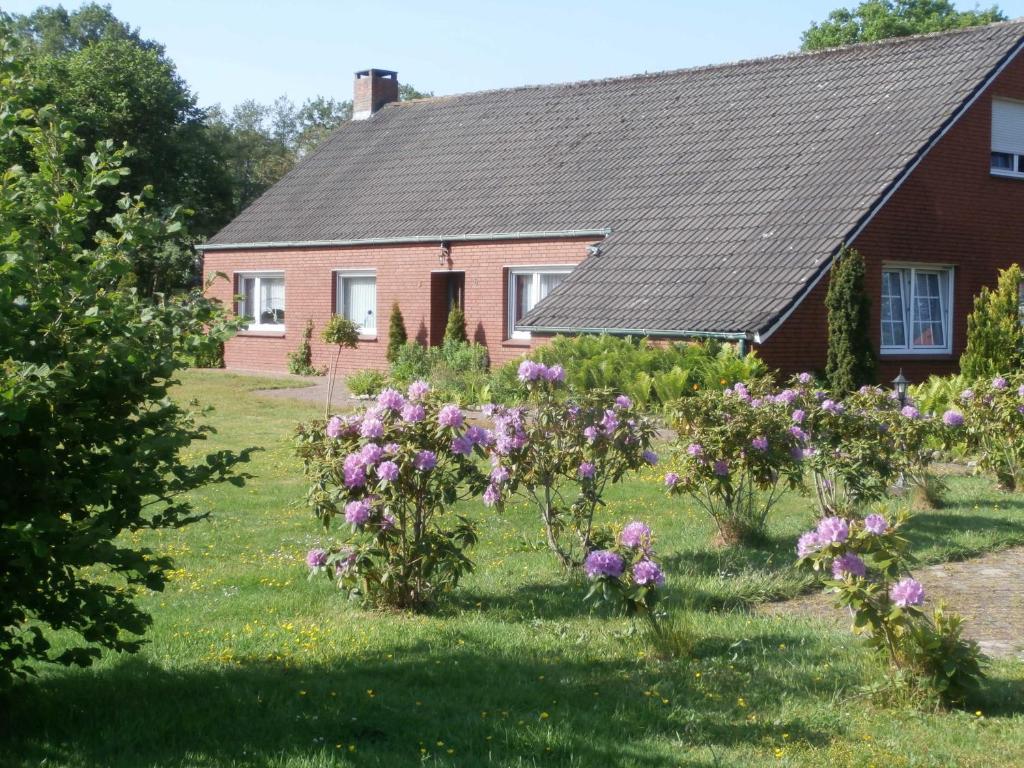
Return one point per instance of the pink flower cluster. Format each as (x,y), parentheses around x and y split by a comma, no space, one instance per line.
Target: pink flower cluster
(531,372)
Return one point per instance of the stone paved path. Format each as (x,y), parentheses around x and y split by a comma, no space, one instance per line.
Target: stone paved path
(987,591)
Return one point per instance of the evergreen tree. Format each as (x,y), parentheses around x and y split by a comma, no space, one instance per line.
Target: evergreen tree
(397,335)
(851,361)
(455,331)
(995,338)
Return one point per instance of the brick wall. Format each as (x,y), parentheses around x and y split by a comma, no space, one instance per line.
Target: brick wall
(950,211)
(403,274)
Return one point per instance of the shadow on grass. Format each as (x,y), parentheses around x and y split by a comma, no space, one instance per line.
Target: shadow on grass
(934,530)
(488,707)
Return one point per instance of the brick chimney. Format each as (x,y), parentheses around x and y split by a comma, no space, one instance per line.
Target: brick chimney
(373,89)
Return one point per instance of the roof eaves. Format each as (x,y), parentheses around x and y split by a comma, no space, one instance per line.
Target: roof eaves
(541,235)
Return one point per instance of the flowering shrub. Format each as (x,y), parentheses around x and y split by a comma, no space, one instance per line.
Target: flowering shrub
(735,455)
(624,574)
(848,446)
(392,471)
(865,563)
(992,421)
(561,455)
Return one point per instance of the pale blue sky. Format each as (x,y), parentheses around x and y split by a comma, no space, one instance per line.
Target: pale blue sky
(231,50)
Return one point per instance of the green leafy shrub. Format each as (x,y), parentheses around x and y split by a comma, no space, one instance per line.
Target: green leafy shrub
(455,330)
(937,394)
(300,362)
(457,371)
(366,382)
(91,444)
(734,455)
(397,335)
(392,473)
(995,334)
(993,423)
(851,359)
(865,563)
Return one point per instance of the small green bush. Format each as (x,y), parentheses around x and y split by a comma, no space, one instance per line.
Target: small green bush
(455,331)
(457,370)
(366,382)
(995,335)
(397,335)
(300,362)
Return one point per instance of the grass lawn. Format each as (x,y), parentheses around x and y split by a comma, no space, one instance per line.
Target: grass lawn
(251,664)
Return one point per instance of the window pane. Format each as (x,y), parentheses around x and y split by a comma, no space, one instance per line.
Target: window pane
(928,325)
(359,300)
(893,328)
(523,298)
(271,300)
(248,304)
(549,281)
(1002,161)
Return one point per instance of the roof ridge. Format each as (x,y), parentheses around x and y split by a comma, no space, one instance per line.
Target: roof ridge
(889,41)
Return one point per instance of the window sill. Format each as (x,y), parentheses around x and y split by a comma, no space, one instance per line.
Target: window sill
(277,333)
(1006,174)
(904,354)
(367,338)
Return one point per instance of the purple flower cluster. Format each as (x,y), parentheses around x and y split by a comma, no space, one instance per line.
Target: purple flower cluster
(760,444)
(647,572)
(425,461)
(357,512)
(603,562)
(833,529)
(413,413)
(586,471)
(316,558)
(907,592)
(848,564)
(623,402)
(509,429)
(952,418)
(391,400)
(418,390)
(387,471)
(450,416)
(808,542)
(875,524)
(671,479)
(910,412)
(721,468)
(999,383)
(530,372)
(636,535)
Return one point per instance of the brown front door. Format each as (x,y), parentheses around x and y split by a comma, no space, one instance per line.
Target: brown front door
(447,290)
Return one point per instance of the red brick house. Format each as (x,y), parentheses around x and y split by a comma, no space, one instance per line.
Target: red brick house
(707,202)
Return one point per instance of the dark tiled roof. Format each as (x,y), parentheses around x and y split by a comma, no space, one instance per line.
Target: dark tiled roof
(727,188)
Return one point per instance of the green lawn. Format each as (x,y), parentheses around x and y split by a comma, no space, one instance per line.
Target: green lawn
(250,664)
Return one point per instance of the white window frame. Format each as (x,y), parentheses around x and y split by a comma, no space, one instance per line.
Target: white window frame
(259,276)
(908,280)
(1012,146)
(339,296)
(510,293)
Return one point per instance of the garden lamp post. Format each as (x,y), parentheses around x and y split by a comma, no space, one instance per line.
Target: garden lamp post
(899,384)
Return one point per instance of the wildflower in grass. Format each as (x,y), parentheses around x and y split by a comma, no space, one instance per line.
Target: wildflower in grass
(833,529)
(998,383)
(450,416)
(372,428)
(316,558)
(418,390)
(335,426)
(387,471)
(647,573)
(671,479)
(636,535)
(910,412)
(425,460)
(357,512)
(907,592)
(586,471)
(390,399)
(848,564)
(760,444)
(602,562)
(876,524)
(952,418)
(808,543)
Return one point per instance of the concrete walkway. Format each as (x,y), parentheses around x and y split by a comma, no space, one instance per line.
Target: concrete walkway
(987,591)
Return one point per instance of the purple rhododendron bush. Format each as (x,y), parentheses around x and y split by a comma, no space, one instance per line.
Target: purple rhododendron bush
(865,564)
(559,453)
(391,472)
(991,415)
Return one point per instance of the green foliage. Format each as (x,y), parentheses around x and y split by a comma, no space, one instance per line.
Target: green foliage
(397,335)
(340,331)
(366,382)
(300,362)
(995,331)
(937,394)
(882,19)
(932,648)
(649,374)
(735,454)
(455,330)
(457,371)
(994,427)
(92,447)
(851,359)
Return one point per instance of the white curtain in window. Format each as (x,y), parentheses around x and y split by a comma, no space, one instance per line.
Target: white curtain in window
(359,300)
(893,327)
(271,300)
(247,306)
(929,325)
(549,281)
